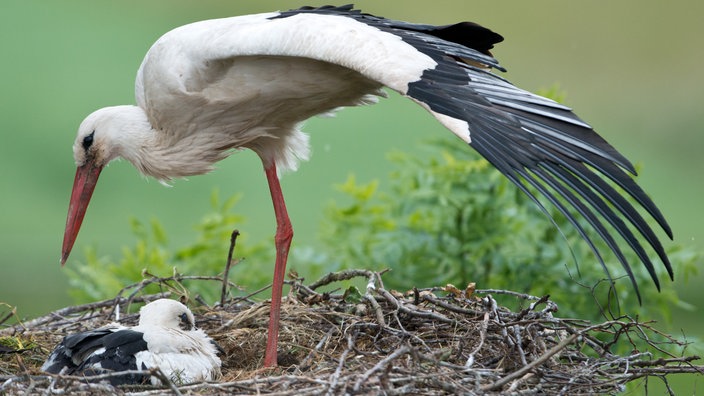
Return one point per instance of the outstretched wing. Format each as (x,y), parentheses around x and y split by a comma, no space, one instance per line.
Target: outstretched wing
(532,140)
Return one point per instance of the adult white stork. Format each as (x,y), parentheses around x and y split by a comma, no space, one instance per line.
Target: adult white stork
(209,87)
(166,337)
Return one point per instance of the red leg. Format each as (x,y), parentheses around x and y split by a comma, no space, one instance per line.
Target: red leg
(284,234)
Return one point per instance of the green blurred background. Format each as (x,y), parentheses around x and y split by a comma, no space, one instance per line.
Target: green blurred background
(633,69)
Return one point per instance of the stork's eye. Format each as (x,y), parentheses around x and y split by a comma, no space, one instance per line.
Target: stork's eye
(185,323)
(88,141)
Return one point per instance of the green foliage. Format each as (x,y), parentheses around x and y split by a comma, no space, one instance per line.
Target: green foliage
(101,277)
(17,343)
(458,220)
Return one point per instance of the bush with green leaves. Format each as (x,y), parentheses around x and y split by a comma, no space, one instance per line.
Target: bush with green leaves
(455,219)
(102,277)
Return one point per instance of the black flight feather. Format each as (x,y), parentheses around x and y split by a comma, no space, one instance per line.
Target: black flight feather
(528,138)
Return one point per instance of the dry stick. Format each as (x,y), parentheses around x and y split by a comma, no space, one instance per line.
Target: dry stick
(139,286)
(378,312)
(399,307)
(482,337)
(155,279)
(519,342)
(507,292)
(228,386)
(377,277)
(117,301)
(318,347)
(417,312)
(380,365)
(335,377)
(642,372)
(156,371)
(226,274)
(306,292)
(340,276)
(397,304)
(663,362)
(518,382)
(243,298)
(61,313)
(551,307)
(598,346)
(450,307)
(13,311)
(644,336)
(165,281)
(525,369)
(53,389)
(254,293)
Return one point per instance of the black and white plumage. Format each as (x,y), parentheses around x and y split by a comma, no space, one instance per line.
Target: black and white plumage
(209,87)
(166,337)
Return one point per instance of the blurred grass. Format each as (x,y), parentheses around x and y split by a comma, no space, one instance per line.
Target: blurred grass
(631,68)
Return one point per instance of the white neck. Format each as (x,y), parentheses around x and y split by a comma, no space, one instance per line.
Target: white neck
(161,154)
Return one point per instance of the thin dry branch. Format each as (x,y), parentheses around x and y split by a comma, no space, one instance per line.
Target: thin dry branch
(226,274)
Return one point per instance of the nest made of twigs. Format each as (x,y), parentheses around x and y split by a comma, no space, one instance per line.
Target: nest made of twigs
(431,341)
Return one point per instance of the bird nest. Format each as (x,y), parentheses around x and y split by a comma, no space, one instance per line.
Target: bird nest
(431,341)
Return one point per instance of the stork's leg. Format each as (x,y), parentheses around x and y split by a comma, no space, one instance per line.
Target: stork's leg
(284,234)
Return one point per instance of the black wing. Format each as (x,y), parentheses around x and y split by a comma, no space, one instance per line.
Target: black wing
(119,352)
(532,140)
(97,352)
(74,349)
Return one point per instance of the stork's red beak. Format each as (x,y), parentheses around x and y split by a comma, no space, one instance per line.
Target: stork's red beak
(83,186)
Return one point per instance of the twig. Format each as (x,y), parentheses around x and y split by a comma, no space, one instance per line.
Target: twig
(482,337)
(304,364)
(336,375)
(378,312)
(551,307)
(178,278)
(413,312)
(340,276)
(226,274)
(450,307)
(519,381)
(227,387)
(525,369)
(166,381)
(64,312)
(522,296)
(519,343)
(11,313)
(380,365)
(254,293)
(663,362)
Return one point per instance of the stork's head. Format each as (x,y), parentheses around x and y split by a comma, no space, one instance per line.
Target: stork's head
(103,136)
(167,313)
